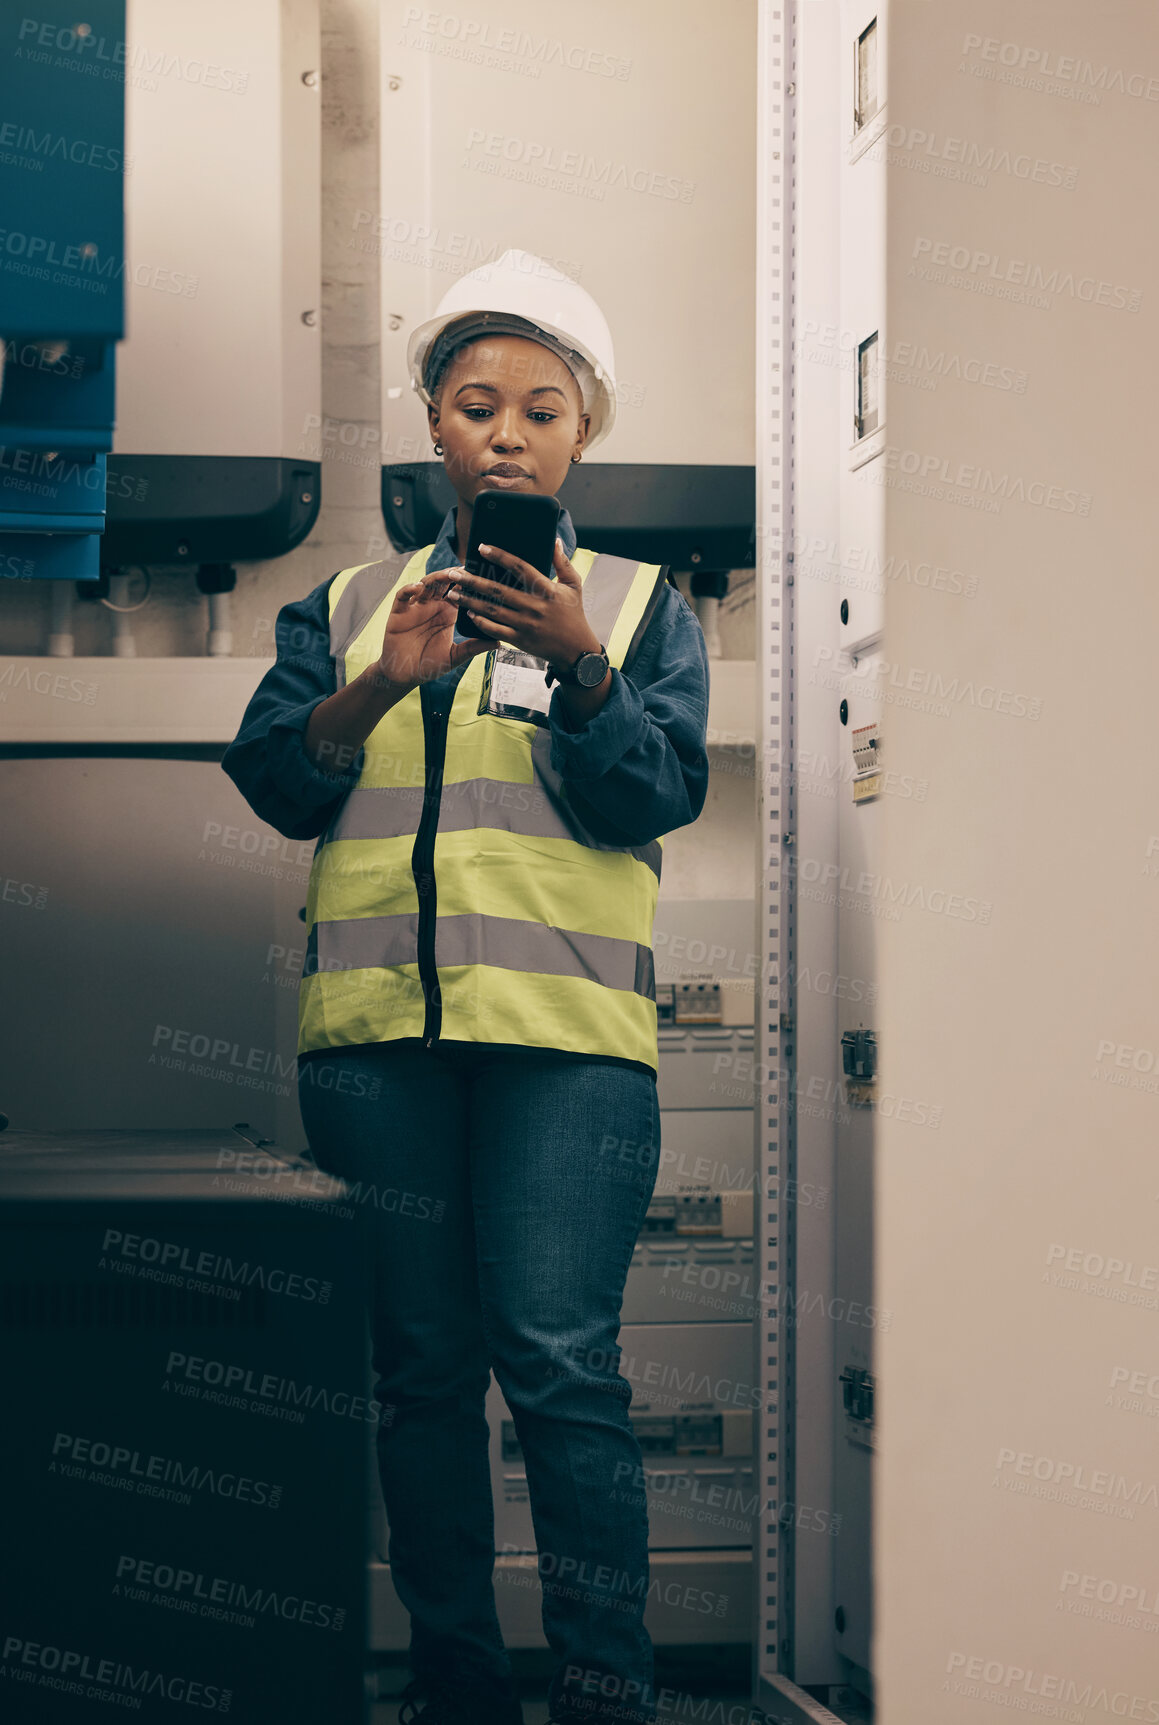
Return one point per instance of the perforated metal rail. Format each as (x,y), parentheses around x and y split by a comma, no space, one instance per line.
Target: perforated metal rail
(774,1042)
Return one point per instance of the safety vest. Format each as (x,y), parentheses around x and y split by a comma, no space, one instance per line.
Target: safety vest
(457,893)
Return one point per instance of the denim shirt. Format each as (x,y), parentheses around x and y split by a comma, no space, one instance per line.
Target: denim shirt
(639,765)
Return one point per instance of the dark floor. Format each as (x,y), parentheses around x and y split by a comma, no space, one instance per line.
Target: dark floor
(731,1709)
(716,1681)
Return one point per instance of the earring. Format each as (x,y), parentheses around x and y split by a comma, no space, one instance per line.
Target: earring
(577,456)
(438,449)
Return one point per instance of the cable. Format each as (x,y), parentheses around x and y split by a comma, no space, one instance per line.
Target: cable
(126,609)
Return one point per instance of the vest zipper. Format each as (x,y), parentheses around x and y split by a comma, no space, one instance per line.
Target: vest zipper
(423,869)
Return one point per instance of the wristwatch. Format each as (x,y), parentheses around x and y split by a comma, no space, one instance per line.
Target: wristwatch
(588,671)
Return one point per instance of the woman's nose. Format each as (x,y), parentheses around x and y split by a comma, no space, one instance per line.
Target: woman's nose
(506,432)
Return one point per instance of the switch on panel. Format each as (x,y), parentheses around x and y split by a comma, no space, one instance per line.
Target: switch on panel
(706,1000)
(727,1214)
(697,1002)
(866,740)
(857,1386)
(726,1432)
(859,1064)
(867,415)
(865,77)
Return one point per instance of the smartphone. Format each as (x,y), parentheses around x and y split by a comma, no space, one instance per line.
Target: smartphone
(524,523)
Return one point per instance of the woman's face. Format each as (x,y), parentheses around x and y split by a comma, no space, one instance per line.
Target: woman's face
(506,402)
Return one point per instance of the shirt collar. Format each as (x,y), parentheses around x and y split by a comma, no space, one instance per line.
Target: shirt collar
(445,554)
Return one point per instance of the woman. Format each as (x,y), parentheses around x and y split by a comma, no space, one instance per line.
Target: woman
(478,1023)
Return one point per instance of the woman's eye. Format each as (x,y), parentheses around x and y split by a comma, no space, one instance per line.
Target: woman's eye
(540,415)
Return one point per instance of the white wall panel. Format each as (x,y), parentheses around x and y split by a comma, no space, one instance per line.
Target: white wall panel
(1016,1458)
(222,230)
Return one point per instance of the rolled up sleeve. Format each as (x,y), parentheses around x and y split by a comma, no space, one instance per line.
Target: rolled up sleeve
(267,760)
(640,765)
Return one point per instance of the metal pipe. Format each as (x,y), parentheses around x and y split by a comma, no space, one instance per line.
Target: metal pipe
(707,611)
(124,646)
(219,642)
(61,640)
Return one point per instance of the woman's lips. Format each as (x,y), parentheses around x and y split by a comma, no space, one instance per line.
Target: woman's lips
(504,481)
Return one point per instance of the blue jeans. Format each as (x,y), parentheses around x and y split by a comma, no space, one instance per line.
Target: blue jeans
(501,1196)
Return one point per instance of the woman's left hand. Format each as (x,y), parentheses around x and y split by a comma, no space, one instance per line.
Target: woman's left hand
(542,617)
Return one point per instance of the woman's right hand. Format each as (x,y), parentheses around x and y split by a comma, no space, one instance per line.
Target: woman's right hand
(418,644)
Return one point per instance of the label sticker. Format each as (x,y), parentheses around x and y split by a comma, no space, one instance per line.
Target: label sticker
(513,686)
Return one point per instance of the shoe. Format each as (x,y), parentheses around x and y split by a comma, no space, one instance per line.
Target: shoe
(441,1707)
(453,1705)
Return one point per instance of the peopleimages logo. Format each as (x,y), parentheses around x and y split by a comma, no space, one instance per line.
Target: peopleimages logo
(1042,64)
(1123,1594)
(984,159)
(66,1670)
(906,362)
(53,683)
(244,1383)
(575,165)
(192,1591)
(129,1464)
(37,252)
(968,476)
(1124,1271)
(879,674)
(478,43)
(892,895)
(101,56)
(455,246)
(1019,1680)
(1024,272)
(213,1266)
(1139,1382)
(76,150)
(1075,1477)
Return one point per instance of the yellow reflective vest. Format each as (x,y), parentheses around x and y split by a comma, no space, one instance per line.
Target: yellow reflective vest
(457,894)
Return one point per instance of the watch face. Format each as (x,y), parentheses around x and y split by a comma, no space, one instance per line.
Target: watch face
(591,670)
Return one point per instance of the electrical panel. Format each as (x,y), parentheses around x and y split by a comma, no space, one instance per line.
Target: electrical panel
(221,461)
(692,1415)
(62,284)
(685,1281)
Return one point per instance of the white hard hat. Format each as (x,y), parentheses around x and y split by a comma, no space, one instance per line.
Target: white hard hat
(520,294)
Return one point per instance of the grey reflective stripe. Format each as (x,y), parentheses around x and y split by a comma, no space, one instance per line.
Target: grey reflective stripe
(392,812)
(570,823)
(385,940)
(356,605)
(379,812)
(609,581)
(364,943)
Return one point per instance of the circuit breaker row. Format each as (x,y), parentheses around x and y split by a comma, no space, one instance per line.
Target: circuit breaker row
(686,1341)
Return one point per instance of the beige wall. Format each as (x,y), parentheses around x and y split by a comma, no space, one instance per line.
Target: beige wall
(1008,1364)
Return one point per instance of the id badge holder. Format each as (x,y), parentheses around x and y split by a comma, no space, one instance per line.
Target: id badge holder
(514,687)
